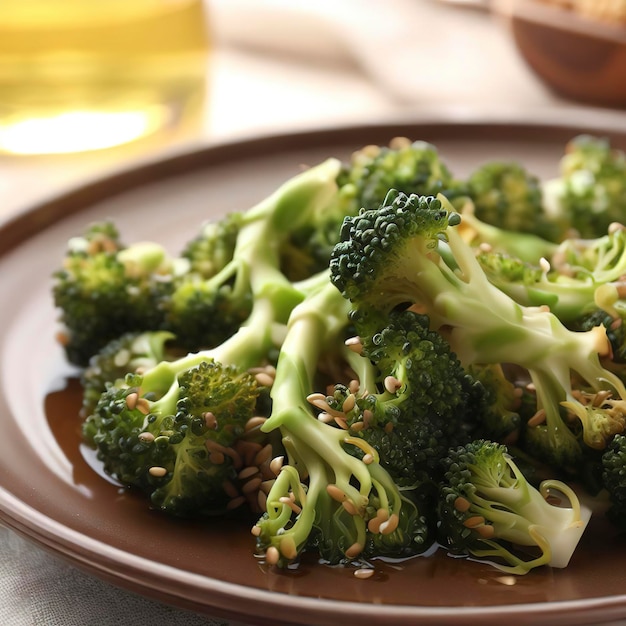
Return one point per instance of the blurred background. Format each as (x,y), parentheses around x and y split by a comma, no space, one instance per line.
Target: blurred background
(86,87)
(92,87)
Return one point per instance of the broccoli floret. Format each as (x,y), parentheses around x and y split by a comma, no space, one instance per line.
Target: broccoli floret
(363,181)
(395,256)
(214,246)
(131,353)
(181,448)
(487,506)
(590,193)
(106,289)
(614,479)
(412,399)
(327,497)
(506,195)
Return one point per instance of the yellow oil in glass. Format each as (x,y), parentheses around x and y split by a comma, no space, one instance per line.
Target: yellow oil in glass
(79,75)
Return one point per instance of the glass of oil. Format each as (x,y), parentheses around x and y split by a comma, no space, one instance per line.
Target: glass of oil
(82,75)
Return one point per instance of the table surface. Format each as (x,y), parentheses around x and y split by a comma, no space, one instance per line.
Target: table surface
(263,83)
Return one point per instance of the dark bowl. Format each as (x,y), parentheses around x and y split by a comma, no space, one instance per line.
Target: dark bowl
(577,57)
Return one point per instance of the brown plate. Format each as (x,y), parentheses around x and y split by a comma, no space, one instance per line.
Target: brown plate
(50,494)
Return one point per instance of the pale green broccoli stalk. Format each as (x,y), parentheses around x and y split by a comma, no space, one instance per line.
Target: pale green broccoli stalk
(325,497)
(391,257)
(487,506)
(527,247)
(579,277)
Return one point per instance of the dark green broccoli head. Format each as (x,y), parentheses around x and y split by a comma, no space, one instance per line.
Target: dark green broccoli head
(381,249)
(105,289)
(363,183)
(410,167)
(509,197)
(424,401)
(213,248)
(614,479)
(180,449)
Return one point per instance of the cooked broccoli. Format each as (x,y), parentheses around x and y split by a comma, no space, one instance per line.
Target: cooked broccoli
(590,192)
(509,197)
(395,255)
(363,182)
(411,400)
(579,277)
(614,479)
(212,249)
(327,497)
(155,419)
(131,353)
(106,289)
(487,506)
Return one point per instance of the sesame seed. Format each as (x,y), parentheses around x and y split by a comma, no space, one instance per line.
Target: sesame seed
(538,418)
(363,573)
(474,521)
(256,530)
(354,344)
(264,379)
(272,555)
(143,406)
(392,384)
(157,472)
(386,528)
(462,504)
(235,503)
(254,422)
(230,489)
(248,472)
(277,464)
(348,403)
(131,400)
(486,531)
(354,550)
(216,457)
(263,454)
(341,422)
(368,459)
(335,493)
(251,485)
(210,420)
(145,436)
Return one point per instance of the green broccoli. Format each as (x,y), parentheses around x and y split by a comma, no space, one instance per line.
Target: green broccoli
(509,197)
(408,252)
(487,506)
(411,400)
(363,181)
(590,192)
(326,497)
(130,353)
(106,289)
(613,465)
(162,422)
(579,277)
